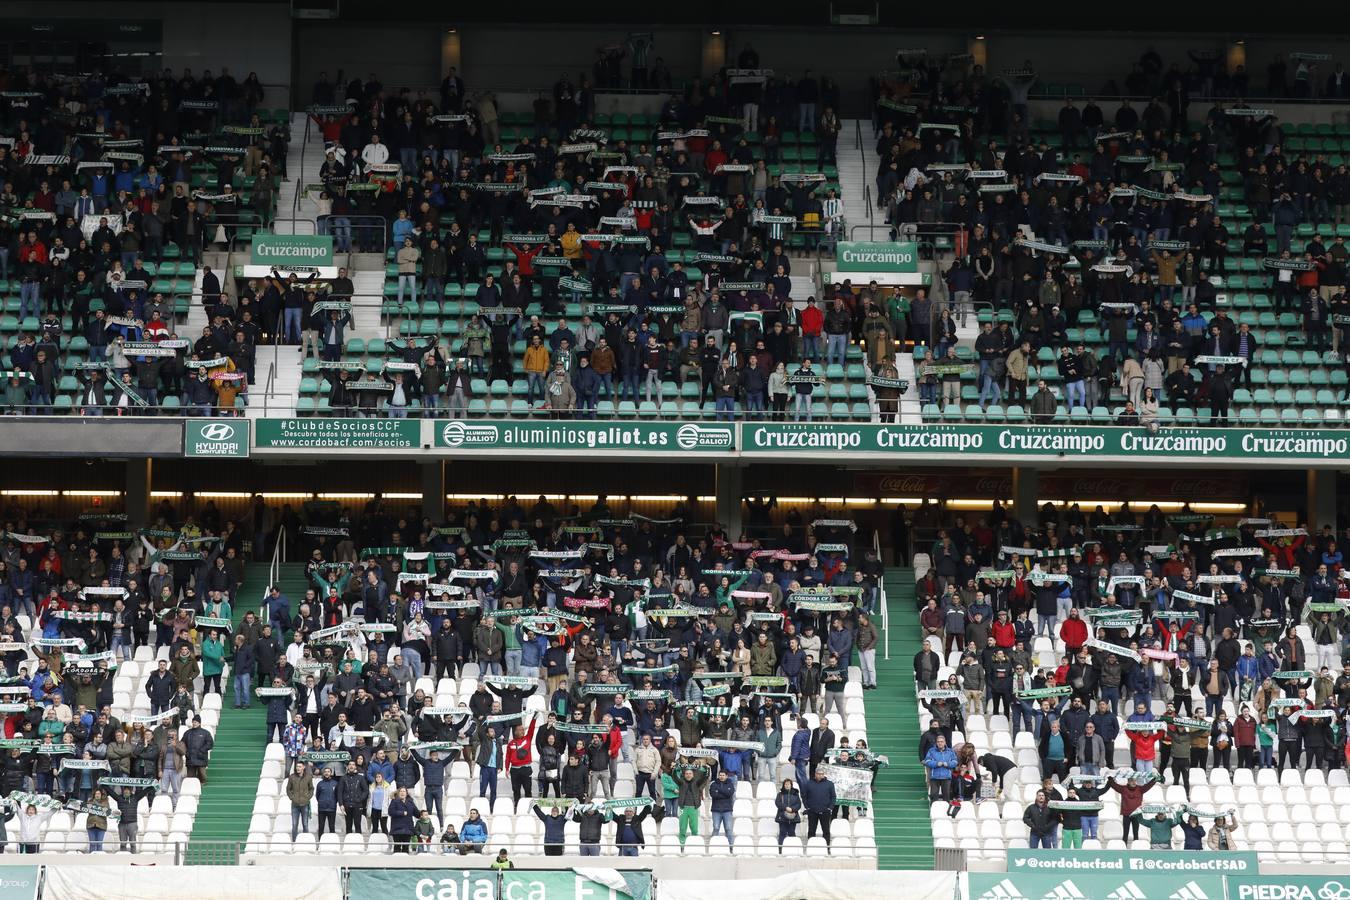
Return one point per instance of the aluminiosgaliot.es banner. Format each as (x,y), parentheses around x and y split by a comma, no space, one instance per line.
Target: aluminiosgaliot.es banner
(634,436)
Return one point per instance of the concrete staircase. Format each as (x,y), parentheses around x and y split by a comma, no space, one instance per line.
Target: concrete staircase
(900,800)
(278,398)
(302,166)
(369,287)
(857,172)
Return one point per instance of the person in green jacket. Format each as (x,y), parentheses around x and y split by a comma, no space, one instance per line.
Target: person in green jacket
(1159,828)
(213,662)
(670,792)
(691,785)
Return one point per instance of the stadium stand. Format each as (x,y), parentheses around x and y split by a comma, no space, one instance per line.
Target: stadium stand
(1146,673)
(407,667)
(112,187)
(1127,237)
(104,666)
(692,685)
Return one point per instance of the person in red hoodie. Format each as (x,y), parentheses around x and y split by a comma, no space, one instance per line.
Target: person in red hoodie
(1073,632)
(1005,636)
(813,323)
(1131,798)
(518,760)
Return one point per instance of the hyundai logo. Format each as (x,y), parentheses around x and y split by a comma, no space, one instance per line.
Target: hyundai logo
(217,432)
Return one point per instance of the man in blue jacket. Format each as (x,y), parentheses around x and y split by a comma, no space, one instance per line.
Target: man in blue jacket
(587,385)
(800,754)
(326,795)
(555,820)
(433,779)
(278,610)
(723,794)
(940,762)
(818,799)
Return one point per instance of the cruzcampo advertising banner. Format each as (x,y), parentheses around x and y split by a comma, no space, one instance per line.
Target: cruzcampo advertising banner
(485,884)
(292,250)
(337,434)
(1092,886)
(626,436)
(1057,441)
(877,256)
(1148,862)
(1289,887)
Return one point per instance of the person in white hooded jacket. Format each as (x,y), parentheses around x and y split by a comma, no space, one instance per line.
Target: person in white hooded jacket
(30,827)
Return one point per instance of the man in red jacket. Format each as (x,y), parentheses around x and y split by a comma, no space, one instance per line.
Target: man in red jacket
(1073,632)
(518,760)
(813,323)
(1005,636)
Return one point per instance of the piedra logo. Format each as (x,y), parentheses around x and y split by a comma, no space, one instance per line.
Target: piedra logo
(459,434)
(694,437)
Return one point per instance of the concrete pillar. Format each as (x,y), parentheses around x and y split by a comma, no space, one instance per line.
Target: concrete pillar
(433,491)
(140,481)
(1321,499)
(1026,491)
(450,51)
(714,53)
(729,496)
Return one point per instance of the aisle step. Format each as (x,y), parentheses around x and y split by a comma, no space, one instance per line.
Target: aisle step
(904,832)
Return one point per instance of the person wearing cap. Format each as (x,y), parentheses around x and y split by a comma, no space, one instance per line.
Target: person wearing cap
(1220,835)
(197,745)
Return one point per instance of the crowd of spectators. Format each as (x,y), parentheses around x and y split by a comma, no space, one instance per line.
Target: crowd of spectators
(111,187)
(607,669)
(1093,657)
(1111,248)
(113,641)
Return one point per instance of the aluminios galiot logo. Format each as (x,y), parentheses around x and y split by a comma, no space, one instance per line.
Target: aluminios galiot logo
(459,434)
(691,437)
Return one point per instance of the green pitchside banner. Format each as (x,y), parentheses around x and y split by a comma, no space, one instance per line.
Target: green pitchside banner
(1289,887)
(19,882)
(1060,441)
(1147,862)
(325,434)
(636,436)
(1096,886)
(879,256)
(215,437)
(484,884)
(829,442)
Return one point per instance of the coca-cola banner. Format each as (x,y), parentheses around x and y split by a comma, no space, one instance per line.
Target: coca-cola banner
(1138,489)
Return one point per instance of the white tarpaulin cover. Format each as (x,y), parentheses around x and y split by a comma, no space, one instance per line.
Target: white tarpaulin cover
(827,884)
(177,882)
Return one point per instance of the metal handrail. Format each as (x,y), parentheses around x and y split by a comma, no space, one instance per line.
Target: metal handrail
(881,597)
(273,569)
(295,220)
(271,380)
(300,175)
(853,229)
(867,177)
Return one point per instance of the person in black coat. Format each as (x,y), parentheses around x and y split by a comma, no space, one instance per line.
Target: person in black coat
(353,793)
(1220,393)
(628,836)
